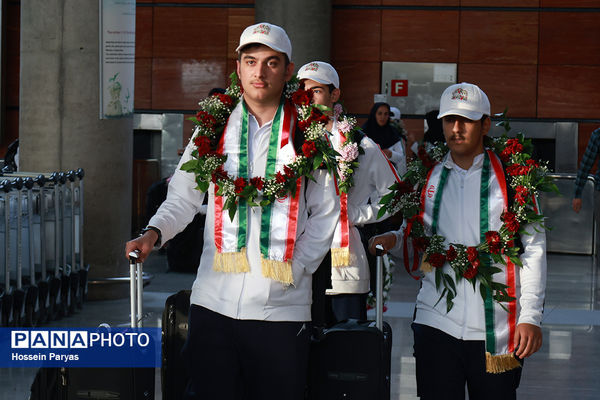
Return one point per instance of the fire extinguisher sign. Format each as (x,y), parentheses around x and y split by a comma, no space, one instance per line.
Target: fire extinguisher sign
(399,87)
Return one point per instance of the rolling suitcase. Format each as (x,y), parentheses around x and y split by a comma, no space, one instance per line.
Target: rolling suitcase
(174,334)
(101,383)
(352,359)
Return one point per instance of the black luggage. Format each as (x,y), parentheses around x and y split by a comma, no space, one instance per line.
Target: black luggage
(101,383)
(352,359)
(174,333)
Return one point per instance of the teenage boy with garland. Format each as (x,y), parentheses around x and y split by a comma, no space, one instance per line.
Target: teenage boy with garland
(450,347)
(249,333)
(349,268)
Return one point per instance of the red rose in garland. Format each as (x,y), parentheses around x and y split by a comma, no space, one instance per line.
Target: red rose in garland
(240,184)
(309,148)
(404,187)
(436,260)
(471,272)
(279,177)
(516,170)
(304,124)
(493,241)
(511,222)
(257,182)
(302,97)
(522,194)
(203,144)
(318,116)
(225,99)
(472,254)
(451,254)
(288,171)
(206,119)
(219,174)
(427,161)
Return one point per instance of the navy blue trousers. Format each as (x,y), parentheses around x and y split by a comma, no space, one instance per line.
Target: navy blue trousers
(230,359)
(445,364)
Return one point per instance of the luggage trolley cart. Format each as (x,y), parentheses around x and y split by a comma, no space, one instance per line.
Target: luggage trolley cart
(73,235)
(53,236)
(64,270)
(7,297)
(39,234)
(78,246)
(16,231)
(31,307)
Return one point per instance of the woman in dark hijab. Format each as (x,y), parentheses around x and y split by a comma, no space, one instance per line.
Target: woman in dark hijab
(391,141)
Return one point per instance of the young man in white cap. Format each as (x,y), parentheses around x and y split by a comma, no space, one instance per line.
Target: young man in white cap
(349,268)
(468,339)
(249,316)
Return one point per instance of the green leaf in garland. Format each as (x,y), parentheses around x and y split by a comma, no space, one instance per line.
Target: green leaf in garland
(190,166)
(317,160)
(203,186)
(232,211)
(482,291)
(438,277)
(441,297)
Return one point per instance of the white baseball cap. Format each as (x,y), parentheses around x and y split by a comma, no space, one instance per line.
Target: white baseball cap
(395,113)
(321,72)
(466,100)
(270,35)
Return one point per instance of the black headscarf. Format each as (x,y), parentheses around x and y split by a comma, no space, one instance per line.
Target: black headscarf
(435,132)
(385,136)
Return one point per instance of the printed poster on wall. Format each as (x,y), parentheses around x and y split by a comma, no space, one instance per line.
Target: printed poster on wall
(117,57)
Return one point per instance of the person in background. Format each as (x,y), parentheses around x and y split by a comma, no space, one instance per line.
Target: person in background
(349,268)
(592,152)
(434,133)
(380,129)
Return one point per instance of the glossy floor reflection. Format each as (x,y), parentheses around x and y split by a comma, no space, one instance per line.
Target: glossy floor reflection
(565,368)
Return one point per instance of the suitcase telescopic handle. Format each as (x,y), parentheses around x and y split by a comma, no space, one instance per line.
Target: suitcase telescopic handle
(379,282)
(136,288)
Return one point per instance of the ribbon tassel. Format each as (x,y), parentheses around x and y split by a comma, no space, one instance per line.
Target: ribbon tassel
(232,262)
(280,271)
(340,257)
(497,364)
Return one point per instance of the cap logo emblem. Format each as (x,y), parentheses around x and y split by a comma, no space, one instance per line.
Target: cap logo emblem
(262,29)
(460,94)
(312,66)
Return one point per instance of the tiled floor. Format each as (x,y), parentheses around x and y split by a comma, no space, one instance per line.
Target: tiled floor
(566,367)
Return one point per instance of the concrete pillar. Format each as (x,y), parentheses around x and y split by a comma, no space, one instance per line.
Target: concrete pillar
(307,23)
(59,128)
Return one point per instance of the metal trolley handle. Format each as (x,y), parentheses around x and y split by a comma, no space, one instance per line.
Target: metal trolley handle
(136,288)
(379,295)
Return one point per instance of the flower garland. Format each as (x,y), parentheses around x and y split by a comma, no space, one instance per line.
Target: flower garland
(349,150)
(525,176)
(207,163)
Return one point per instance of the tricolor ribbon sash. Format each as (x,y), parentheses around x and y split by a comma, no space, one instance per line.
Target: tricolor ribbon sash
(278,220)
(340,246)
(500,325)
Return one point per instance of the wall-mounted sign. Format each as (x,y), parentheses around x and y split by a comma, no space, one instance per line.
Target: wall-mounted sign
(415,88)
(399,87)
(117,57)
